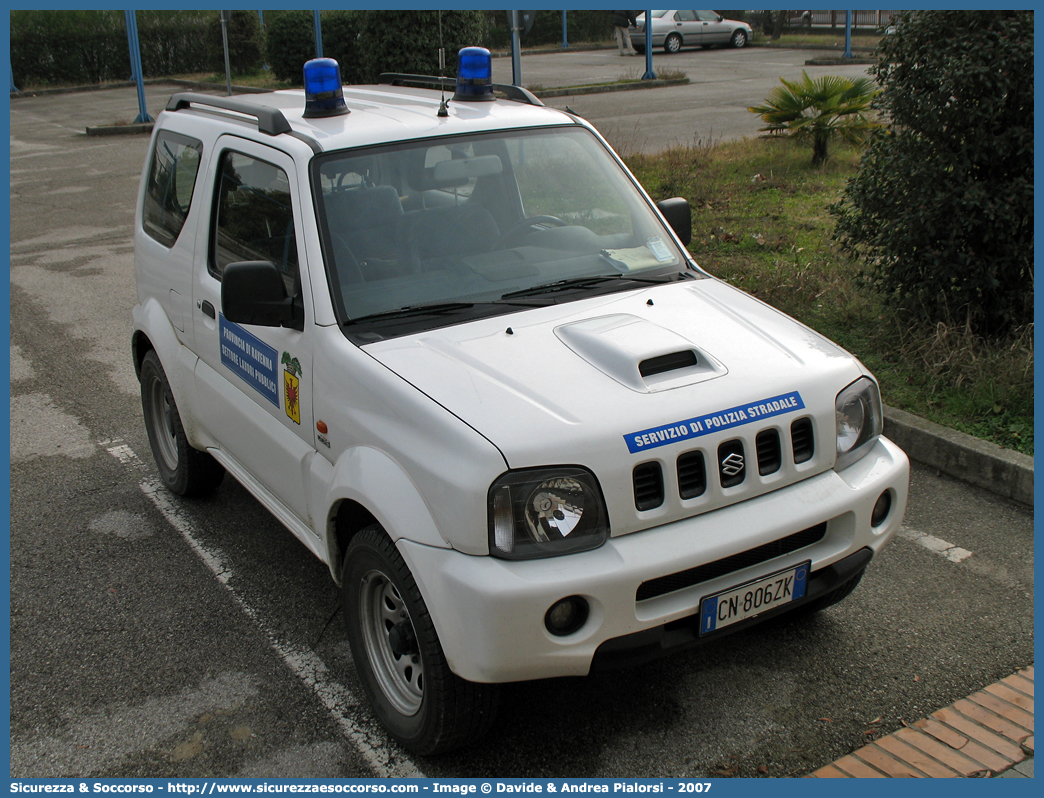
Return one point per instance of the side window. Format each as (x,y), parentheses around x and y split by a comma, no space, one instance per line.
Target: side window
(254,217)
(707,16)
(685,16)
(172,176)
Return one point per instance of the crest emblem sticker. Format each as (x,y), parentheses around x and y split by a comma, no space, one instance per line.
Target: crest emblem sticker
(291,387)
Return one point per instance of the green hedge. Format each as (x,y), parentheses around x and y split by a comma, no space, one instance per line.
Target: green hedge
(366,43)
(581,26)
(84,47)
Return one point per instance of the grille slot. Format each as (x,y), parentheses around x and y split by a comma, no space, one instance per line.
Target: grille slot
(672,362)
(692,475)
(702,573)
(732,468)
(648,486)
(802,440)
(770,455)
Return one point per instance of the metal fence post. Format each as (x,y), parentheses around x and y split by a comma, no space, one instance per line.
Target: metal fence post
(318,35)
(649,74)
(565,38)
(848,35)
(135,59)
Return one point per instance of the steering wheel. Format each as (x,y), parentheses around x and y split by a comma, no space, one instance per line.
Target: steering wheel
(527,226)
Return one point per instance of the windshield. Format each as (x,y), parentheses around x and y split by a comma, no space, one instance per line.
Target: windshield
(482,219)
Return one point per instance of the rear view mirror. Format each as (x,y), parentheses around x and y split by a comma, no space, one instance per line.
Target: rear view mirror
(679,216)
(467,168)
(253,292)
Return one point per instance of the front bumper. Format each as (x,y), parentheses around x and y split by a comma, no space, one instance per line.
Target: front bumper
(489,613)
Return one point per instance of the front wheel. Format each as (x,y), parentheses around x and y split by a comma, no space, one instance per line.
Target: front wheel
(184,470)
(739,39)
(420,701)
(672,43)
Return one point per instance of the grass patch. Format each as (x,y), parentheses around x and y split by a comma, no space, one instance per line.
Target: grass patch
(261,79)
(760,222)
(823,39)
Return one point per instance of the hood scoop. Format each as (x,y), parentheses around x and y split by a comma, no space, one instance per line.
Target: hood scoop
(639,354)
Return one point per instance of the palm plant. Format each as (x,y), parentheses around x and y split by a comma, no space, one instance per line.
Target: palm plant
(816,111)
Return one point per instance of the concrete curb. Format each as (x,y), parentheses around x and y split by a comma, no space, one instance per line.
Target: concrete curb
(957,454)
(609,87)
(120,130)
(840,61)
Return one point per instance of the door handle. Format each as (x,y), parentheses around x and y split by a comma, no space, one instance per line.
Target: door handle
(207,308)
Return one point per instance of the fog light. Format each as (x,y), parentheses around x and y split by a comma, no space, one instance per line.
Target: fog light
(566,616)
(881,509)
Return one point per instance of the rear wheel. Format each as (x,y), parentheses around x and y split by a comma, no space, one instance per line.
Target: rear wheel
(420,701)
(184,470)
(672,43)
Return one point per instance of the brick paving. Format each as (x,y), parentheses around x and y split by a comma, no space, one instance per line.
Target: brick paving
(989,733)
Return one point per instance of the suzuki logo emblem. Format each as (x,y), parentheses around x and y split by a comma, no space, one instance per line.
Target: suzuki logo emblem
(732,464)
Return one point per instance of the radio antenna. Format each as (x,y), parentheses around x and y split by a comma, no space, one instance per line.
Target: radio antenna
(443,107)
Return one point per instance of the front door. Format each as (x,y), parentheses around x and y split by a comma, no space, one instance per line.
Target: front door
(253,382)
(713,29)
(686,25)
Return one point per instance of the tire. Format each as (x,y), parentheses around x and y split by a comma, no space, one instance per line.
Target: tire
(739,39)
(400,662)
(672,43)
(184,470)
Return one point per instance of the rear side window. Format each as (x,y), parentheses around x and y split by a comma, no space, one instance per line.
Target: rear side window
(255,218)
(172,176)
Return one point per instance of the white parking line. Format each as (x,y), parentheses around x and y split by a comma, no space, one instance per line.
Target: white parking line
(372,744)
(938,545)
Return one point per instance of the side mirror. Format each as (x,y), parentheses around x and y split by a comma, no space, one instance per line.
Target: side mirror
(721,18)
(253,292)
(678,215)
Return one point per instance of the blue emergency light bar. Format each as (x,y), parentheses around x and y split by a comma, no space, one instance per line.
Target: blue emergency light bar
(323,93)
(474,75)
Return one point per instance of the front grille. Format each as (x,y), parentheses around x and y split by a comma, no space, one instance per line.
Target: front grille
(770,456)
(731,461)
(802,440)
(732,467)
(692,475)
(648,486)
(745,559)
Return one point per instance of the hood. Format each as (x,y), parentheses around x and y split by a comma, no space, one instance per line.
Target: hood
(567,383)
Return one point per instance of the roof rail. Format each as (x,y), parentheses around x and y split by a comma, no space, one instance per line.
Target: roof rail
(516,93)
(269,120)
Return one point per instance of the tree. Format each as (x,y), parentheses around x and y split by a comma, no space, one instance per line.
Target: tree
(816,111)
(245,47)
(394,40)
(942,206)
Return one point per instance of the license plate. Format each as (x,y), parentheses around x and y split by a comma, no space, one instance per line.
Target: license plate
(746,601)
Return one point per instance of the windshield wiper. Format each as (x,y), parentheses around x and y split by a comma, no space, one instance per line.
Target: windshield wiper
(438,308)
(585,282)
(414,310)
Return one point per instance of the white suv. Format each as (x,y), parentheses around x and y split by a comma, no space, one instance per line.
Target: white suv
(454,347)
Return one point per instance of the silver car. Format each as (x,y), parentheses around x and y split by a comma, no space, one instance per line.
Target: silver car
(673,30)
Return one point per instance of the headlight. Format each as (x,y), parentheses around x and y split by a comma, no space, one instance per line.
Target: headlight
(859,420)
(544,512)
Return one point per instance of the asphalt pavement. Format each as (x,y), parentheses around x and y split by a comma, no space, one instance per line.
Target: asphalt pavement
(127,660)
